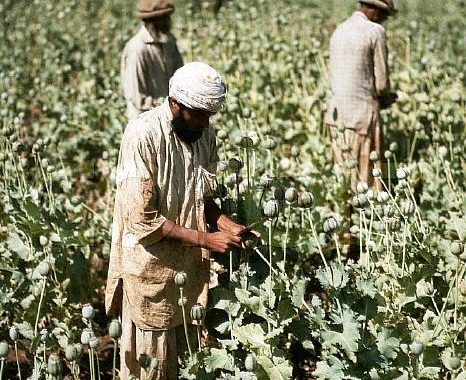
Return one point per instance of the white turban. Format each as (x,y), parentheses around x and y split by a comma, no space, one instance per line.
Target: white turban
(197,85)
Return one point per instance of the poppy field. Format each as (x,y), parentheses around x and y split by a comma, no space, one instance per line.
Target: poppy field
(301,302)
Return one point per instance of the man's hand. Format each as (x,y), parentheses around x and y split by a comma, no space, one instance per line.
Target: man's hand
(220,241)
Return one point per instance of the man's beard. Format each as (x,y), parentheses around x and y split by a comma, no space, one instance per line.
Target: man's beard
(183,132)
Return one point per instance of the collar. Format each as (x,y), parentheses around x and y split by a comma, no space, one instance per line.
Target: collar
(147,38)
(361,15)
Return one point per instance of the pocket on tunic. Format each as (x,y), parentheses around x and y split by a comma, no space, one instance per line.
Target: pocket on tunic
(206,183)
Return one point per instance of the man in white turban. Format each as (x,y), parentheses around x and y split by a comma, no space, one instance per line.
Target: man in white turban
(165,176)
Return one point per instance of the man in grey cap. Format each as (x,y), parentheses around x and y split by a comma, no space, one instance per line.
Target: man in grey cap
(359,80)
(150,58)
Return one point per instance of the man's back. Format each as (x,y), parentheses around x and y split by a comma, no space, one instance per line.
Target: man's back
(146,66)
(358,71)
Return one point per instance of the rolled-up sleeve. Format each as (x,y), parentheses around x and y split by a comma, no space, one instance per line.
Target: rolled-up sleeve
(136,191)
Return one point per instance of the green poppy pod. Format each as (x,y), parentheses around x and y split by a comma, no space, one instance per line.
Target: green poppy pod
(43,268)
(71,354)
(407,208)
(235,164)
(180,279)
(197,312)
(272,208)
(250,363)
(182,301)
(454,363)
(305,199)
(54,366)
(457,247)
(416,347)
(4,350)
(291,195)
(114,329)
(331,224)
(88,311)
(13,332)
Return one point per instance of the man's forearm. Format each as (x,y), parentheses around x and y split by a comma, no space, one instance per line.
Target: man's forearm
(188,236)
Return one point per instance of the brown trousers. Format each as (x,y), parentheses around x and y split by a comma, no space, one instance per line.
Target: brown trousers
(165,345)
(348,145)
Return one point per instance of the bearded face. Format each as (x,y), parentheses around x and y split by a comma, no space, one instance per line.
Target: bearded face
(184,130)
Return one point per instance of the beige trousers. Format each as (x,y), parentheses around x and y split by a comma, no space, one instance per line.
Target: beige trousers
(165,345)
(350,146)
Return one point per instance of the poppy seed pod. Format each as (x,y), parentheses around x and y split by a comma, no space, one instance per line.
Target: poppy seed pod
(407,208)
(393,224)
(454,362)
(44,335)
(222,134)
(197,312)
(4,350)
(250,363)
(54,366)
(272,208)
(180,279)
(269,143)
(235,164)
(13,332)
(182,301)
(362,187)
(71,353)
(457,247)
(246,142)
(416,347)
(88,312)
(43,268)
(359,201)
(266,181)
(401,173)
(393,147)
(86,336)
(305,199)
(376,173)
(331,224)
(383,197)
(291,195)
(114,329)
(94,342)
(374,156)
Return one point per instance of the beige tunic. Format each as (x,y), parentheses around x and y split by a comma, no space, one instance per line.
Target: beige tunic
(159,177)
(358,73)
(147,64)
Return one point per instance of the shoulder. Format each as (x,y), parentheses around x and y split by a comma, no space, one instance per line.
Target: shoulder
(144,129)
(376,30)
(135,45)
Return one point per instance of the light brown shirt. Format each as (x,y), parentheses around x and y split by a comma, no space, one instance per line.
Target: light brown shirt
(147,64)
(359,73)
(159,177)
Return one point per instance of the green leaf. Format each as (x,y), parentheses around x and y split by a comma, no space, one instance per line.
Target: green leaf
(219,359)
(387,345)
(251,335)
(366,287)
(16,245)
(276,369)
(333,370)
(298,292)
(430,373)
(336,277)
(349,336)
